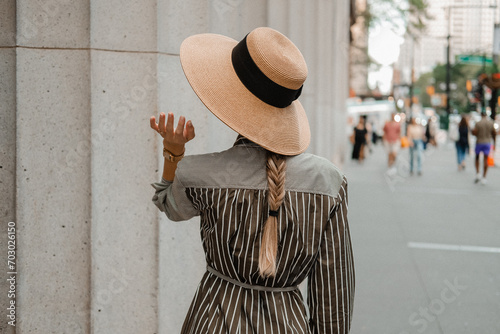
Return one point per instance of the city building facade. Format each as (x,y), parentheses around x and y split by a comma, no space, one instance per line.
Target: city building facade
(470,24)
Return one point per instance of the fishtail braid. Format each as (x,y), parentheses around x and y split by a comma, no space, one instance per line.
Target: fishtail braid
(276,171)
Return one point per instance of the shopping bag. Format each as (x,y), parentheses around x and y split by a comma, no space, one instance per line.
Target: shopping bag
(491,158)
(405,142)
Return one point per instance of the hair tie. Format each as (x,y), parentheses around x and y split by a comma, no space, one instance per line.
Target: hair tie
(273,213)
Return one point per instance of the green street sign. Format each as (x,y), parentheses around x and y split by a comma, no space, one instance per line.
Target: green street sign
(473,59)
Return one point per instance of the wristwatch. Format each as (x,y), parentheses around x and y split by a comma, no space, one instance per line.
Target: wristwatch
(171,157)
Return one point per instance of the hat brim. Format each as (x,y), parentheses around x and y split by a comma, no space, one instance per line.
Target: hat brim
(206,62)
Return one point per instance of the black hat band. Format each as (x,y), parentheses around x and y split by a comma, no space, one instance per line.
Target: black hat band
(257,82)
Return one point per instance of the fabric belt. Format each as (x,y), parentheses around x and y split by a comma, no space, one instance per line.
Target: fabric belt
(250,286)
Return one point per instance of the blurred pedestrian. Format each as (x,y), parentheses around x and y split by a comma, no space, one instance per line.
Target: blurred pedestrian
(392,139)
(369,134)
(429,134)
(416,137)
(271,216)
(485,133)
(462,142)
(360,138)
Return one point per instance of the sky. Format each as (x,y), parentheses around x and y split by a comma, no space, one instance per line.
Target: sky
(383,47)
(384,41)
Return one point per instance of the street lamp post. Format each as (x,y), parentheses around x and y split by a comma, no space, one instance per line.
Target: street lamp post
(448,73)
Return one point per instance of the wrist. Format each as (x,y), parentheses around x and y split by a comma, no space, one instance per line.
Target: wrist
(175,149)
(171,157)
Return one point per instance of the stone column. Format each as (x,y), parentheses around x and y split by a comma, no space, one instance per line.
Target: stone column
(325,77)
(53,166)
(7,148)
(320,30)
(181,258)
(124,226)
(339,52)
(182,261)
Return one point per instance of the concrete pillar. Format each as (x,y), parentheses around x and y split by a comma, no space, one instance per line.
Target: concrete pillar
(182,262)
(124,226)
(52,169)
(7,147)
(324,118)
(277,15)
(53,206)
(181,256)
(339,53)
(320,29)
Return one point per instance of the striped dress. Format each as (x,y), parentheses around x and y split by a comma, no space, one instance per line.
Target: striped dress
(228,191)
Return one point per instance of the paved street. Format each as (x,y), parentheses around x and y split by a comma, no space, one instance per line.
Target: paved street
(427,248)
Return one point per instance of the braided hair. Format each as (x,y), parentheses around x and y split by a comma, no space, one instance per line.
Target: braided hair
(276,170)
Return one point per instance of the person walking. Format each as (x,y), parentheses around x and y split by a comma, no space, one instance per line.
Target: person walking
(485,133)
(462,143)
(392,139)
(429,133)
(416,136)
(360,134)
(271,216)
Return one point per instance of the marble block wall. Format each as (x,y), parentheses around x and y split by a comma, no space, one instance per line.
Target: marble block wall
(80,80)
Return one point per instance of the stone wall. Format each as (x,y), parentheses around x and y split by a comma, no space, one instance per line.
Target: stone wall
(7,146)
(80,80)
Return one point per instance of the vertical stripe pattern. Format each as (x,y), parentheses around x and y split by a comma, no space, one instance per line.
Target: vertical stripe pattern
(314,244)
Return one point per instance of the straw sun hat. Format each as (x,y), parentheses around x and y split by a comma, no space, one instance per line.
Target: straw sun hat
(252,86)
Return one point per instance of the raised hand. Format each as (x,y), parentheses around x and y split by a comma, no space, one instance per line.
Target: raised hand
(173,139)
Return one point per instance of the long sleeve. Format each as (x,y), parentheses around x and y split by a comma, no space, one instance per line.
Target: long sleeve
(331,284)
(171,198)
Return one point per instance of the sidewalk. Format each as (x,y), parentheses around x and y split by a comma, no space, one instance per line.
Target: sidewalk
(427,248)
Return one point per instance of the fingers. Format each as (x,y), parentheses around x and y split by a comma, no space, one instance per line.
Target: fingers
(189,131)
(161,122)
(180,126)
(152,123)
(170,123)
(183,132)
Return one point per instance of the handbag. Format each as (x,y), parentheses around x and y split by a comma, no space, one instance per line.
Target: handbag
(491,157)
(405,142)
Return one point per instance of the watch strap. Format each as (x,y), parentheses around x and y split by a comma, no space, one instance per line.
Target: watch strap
(172,157)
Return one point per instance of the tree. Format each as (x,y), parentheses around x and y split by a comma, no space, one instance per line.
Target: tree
(407,16)
(460,73)
(424,81)
(416,17)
